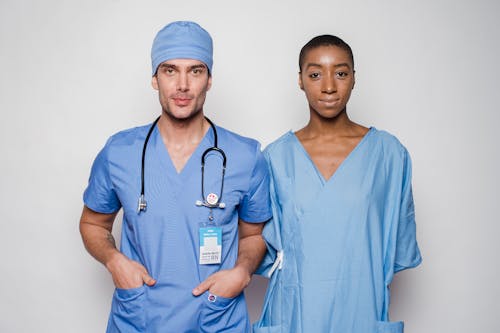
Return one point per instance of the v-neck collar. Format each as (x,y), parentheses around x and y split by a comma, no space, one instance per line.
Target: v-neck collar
(341,166)
(162,152)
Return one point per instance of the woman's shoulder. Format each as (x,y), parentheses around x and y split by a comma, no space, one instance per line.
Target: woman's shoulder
(389,143)
(281,144)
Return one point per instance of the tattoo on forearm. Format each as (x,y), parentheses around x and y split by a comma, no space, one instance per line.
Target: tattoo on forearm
(111,239)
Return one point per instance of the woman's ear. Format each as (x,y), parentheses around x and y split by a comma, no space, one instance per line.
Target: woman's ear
(301,84)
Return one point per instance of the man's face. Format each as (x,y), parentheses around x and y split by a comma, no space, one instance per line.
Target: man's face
(182,86)
(327,78)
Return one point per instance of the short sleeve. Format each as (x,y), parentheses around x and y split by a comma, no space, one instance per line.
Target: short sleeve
(407,251)
(255,206)
(100,195)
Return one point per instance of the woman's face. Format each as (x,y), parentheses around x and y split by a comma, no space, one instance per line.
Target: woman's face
(327,78)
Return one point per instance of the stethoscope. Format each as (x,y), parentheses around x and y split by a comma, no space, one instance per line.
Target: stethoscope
(212,200)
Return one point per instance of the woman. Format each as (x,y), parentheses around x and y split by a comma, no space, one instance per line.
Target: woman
(343,210)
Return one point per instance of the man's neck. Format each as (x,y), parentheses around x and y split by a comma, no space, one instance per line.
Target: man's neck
(182,137)
(182,131)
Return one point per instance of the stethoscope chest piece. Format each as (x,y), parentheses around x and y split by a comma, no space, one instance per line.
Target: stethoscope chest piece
(142,205)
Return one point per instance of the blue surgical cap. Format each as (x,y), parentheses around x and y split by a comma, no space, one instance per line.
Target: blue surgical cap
(182,40)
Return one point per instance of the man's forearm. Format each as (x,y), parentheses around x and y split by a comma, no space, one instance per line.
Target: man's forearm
(231,282)
(251,250)
(99,242)
(95,229)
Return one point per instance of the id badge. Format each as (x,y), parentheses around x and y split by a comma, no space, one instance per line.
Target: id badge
(210,245)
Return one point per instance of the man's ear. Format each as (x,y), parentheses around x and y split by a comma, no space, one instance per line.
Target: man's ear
(154,82)
(209,85)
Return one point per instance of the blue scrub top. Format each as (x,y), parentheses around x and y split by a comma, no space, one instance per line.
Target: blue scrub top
(165,238)
(342,239)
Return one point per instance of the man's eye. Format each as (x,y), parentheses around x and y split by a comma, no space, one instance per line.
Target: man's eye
(342,74)
(314,75)
(197,70)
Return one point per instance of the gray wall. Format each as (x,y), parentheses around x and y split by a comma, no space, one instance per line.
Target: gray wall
(74,72)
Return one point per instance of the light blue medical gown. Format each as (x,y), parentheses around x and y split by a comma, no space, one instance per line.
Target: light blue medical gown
(342,239)
(165,238)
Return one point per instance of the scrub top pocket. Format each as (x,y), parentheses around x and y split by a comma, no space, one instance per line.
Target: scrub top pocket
(268,329)
(127,311)
(281,309)
(221,216)
(221,314)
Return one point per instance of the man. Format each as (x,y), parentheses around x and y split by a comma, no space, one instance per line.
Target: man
(192,242)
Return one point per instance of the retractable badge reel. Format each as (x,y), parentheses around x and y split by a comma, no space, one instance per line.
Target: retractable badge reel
(210,234)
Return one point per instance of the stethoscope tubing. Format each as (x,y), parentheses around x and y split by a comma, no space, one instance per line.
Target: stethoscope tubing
(142,205)
(144,147)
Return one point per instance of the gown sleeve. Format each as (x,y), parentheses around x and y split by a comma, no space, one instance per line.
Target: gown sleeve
(271,232)
(407,251)
(100,195)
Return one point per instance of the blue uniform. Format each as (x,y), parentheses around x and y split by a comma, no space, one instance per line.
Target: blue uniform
(342,239)
(165,238)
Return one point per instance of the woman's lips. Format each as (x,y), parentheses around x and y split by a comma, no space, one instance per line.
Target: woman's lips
(329,101)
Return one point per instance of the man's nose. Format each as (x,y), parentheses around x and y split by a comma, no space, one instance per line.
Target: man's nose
(183,82)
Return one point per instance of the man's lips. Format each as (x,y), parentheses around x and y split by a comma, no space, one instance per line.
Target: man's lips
(181,101)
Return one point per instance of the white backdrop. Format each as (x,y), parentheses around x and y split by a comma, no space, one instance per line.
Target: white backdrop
(74,72)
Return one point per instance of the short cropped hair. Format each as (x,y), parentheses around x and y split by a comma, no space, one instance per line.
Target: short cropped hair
(324,40)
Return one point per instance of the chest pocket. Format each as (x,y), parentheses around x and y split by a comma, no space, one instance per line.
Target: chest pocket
(220,216)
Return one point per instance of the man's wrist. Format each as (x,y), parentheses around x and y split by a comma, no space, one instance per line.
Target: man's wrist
(112,259)
(245,274)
